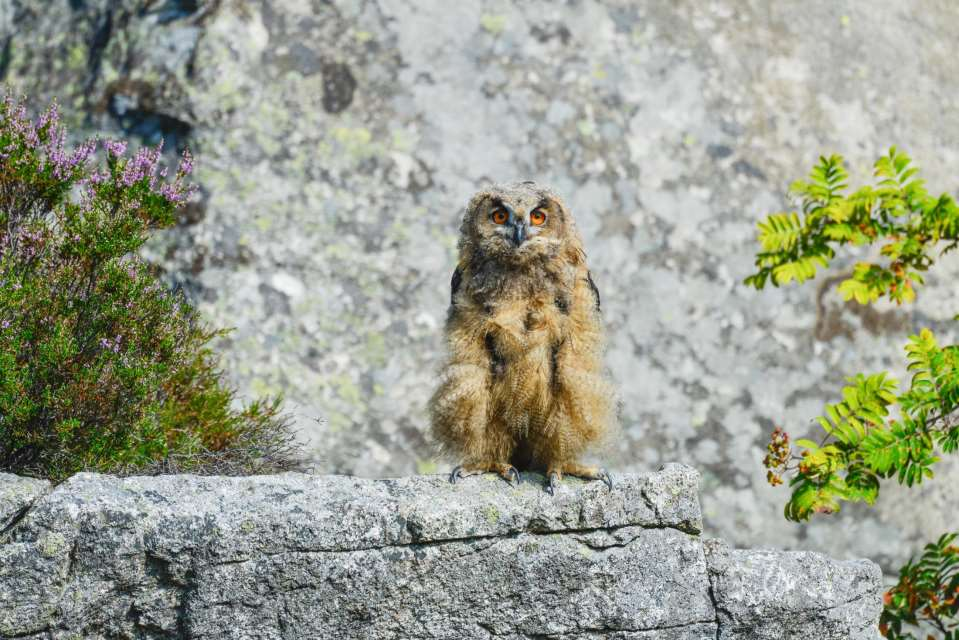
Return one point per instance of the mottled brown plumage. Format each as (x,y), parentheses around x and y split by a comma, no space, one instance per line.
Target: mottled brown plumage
(523,387)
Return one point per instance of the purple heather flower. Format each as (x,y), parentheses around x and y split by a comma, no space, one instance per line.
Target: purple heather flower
(16,114)
(144,163)
(5,324)
(63,165)
(83,152)
(98,178)
(47,135)
(115,148)
(131,174)
(186,163)
(30,137)
(113,345)
(49,117)
(171,192)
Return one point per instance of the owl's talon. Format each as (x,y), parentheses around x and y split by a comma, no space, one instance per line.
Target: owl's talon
(456,474)
(606,478)
(552,483)
(512,476)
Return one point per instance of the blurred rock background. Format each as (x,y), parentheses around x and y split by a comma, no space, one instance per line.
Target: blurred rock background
(337,141)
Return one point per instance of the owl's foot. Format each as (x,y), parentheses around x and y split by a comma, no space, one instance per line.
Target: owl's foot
(506,471)
(555,474)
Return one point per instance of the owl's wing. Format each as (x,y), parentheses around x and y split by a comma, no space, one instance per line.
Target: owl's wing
(592,285)
(455,283)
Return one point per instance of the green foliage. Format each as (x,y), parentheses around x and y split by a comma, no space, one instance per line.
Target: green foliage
(927,594)
(897,211)
(861,442)
(101,367)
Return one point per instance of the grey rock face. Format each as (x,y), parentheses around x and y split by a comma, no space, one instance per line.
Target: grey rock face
(337,142)
(773,595)
(296,556)
(16,496)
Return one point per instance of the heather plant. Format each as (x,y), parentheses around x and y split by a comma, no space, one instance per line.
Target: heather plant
(876,430)
(102,367)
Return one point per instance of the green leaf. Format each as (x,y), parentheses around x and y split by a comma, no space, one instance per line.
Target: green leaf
(833,414)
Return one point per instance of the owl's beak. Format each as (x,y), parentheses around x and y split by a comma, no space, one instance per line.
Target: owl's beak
(519,233)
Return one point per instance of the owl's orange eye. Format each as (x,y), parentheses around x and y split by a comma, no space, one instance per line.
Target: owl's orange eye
(537,217)
(500,216)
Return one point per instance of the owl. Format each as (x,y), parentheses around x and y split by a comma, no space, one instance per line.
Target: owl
(523,387)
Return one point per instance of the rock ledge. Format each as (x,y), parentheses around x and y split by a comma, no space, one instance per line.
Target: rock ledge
(295,556)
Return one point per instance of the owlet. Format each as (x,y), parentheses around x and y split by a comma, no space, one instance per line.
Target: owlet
(523,387)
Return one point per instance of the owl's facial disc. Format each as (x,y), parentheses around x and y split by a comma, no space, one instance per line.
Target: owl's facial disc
(518,226)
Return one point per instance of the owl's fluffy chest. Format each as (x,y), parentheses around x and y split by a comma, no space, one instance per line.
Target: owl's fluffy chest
(519,325)
(523,338)
(524,320)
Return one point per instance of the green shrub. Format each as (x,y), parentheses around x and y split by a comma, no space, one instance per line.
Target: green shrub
(927,594)
(874,432)
(102,368)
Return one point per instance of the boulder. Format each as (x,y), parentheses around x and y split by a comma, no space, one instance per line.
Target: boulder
(304,556)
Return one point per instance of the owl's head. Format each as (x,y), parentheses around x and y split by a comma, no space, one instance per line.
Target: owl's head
(518,223)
